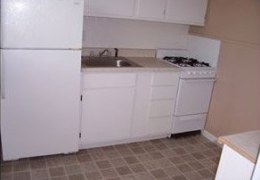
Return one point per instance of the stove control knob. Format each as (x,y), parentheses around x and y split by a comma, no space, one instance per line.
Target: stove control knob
(200,73)
(205,72)
(194,73)
(189,73)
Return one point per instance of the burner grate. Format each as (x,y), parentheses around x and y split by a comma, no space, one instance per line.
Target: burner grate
(185,61)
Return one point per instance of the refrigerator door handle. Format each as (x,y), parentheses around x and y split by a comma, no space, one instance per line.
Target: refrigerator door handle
(2,77)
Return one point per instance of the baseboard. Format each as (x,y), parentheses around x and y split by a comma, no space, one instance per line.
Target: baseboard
(209,136)
(123,141)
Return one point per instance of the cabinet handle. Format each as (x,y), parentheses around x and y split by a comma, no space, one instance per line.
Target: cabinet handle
(2,77)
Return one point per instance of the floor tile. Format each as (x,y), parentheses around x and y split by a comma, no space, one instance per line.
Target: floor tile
(103,164)
(144,176)
(180,177)
(57,171)
(205,173)
(37,164)
(39,174)
(109,173)
(124,170)
(73,169)
(131,160)
(77,177)
(95,175)
(6,176)
(22,175)
(88,167)
(184,168)
(137,168)
(158,174)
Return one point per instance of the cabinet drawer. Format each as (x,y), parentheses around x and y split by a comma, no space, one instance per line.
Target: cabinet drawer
(161,108)
(104,80)
(164,92)
(168,78)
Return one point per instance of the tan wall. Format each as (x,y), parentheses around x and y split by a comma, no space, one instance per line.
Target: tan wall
(235,105)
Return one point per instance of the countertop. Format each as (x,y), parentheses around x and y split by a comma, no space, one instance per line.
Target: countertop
(247,144)
(148,64)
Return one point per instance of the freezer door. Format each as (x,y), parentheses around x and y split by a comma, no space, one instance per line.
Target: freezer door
(40,109)
(43,24)
(193,96)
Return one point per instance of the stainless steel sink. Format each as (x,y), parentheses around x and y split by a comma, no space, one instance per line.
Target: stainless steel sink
(89,61)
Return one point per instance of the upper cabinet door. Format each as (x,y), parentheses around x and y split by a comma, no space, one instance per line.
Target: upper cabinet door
(111,8)
(186,11)
(151,9)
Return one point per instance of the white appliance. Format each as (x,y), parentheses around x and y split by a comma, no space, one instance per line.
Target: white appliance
(195,83)
(256,174)
(40,76)
(193,98)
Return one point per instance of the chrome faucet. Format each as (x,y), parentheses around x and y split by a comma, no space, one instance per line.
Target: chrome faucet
(116,52)
(105,51)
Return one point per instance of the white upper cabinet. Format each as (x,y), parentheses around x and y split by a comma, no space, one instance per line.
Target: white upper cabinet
(186,11)
(170,11)
(111,8)
(151,9)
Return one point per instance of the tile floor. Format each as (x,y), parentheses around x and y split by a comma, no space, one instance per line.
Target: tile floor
(186,158)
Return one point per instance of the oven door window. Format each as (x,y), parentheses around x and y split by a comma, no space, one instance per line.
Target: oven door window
(193,96)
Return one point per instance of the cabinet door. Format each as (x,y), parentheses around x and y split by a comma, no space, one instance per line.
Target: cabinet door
(151,9)
(111,8)
(186,11)
(106,115)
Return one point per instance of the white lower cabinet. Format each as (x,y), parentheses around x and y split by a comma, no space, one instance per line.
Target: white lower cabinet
(106,115)
(126,107)
(107,108)
(234,166)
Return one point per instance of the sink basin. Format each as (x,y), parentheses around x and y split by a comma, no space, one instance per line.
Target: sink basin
(107,62)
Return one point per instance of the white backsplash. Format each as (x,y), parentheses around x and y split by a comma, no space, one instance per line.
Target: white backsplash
(121,52)
(133,34)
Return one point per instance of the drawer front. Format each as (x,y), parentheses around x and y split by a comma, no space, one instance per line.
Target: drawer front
(164,92)
(188,123)
(106,80)
(165,78)
(161,108)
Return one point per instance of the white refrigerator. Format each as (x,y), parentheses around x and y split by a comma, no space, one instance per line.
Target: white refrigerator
(40,76)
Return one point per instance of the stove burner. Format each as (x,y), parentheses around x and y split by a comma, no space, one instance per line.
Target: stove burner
(185,62)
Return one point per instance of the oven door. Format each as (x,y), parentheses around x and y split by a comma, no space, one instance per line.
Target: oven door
(193,96)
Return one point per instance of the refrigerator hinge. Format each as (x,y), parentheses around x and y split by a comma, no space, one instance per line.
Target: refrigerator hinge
(81,97)
(79,135)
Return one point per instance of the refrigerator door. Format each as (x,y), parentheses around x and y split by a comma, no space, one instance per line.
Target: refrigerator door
(42,24)
(40,109)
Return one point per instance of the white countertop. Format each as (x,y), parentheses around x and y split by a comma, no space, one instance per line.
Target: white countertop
(148,64)
(247,144)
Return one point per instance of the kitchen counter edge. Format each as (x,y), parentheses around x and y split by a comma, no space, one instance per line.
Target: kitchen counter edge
(148,64)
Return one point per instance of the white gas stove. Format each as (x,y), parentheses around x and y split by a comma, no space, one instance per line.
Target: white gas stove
(194,93)
(197,76)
